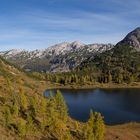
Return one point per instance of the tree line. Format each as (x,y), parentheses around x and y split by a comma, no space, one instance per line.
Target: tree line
(120,65)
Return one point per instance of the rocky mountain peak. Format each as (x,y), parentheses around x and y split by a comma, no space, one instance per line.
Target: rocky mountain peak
(12,52)
(137,29)
(64,47)
(76,44)
(132,39)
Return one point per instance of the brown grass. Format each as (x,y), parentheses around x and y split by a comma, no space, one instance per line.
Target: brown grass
(130,131)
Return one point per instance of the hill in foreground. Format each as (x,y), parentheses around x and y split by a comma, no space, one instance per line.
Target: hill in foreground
(26,114)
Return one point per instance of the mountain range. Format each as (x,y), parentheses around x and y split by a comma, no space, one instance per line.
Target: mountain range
(65,56)
(60,57)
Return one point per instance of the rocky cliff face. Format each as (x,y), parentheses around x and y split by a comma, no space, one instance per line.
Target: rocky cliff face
(132,39)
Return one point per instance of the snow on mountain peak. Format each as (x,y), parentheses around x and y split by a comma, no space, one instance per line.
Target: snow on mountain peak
(64,47)
(12,52)
(65,56)
(58,49)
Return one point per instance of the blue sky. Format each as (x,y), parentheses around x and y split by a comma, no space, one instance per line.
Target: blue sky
(37,24)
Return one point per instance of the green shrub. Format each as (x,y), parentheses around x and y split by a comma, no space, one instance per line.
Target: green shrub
(21,127)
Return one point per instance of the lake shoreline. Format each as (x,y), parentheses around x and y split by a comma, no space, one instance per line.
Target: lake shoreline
(135,85)
(101,100)
(123,131)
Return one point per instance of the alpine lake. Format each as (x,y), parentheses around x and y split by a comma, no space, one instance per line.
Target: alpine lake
(116,105)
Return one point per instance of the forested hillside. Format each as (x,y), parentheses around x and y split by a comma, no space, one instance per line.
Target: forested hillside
(27,114)
(121,64)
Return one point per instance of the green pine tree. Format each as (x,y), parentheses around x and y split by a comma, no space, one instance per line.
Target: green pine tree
(61,105)
(99,127)
(89,134)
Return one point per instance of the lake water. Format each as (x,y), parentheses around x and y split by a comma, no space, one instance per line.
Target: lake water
(116,105)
